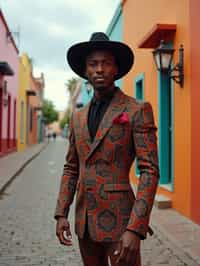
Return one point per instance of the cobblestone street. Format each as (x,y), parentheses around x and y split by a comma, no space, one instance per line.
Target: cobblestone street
(27,227)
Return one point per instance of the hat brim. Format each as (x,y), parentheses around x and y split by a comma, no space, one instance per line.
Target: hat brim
(76,56)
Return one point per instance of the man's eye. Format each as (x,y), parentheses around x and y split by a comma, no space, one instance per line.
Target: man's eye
(92,64)
(108,63)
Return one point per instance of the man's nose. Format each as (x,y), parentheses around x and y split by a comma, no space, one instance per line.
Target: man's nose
(99,68)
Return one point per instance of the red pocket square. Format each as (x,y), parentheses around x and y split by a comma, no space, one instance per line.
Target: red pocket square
(121,119)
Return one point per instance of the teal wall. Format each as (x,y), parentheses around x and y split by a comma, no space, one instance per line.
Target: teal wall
(84,94)
(115,32)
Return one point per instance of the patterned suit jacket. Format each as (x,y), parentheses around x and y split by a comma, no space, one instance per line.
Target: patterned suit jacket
(99,171)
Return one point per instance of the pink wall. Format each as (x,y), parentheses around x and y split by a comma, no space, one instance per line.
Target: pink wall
(9,54)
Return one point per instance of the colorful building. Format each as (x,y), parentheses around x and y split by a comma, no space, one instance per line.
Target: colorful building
(30,122)
(9,65)
(34,107)
(115,31)
(40,84)
(24,81)
(175,107)
(86,92)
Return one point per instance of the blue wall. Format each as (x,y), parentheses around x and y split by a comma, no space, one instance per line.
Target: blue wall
(84,94)
(114,31)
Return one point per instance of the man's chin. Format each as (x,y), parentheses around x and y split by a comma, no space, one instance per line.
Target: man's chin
(100,87)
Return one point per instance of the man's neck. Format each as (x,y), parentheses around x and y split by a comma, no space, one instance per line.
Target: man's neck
(104,93)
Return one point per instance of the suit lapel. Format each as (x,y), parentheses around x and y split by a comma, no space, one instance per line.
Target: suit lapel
(84,131)
(115,108)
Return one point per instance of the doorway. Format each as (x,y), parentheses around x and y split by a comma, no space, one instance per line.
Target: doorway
(166,130)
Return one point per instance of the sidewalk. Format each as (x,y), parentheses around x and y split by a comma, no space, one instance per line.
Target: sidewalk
(183,234)
(13,163)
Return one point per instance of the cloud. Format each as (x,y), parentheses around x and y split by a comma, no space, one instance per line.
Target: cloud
(49,28)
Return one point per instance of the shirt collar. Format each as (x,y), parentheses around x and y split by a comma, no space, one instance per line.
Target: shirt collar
(106,99)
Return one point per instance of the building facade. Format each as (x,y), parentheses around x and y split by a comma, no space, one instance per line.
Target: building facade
(9,66)
(24,81)
(86,92)
(115,32)
(175,107)
(40,84)
(30,99)
(34,105)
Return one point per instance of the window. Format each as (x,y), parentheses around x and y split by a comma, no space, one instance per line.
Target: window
(31,119)
(22,123)
(139,95)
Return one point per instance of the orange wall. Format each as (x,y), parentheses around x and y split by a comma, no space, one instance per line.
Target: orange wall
(139,17)
(195,97)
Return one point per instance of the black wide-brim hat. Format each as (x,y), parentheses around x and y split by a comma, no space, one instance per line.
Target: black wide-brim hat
(76,55)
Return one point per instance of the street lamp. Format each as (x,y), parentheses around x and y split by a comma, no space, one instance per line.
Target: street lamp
(163,56)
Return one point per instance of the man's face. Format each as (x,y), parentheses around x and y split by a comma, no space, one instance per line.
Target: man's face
(101,69)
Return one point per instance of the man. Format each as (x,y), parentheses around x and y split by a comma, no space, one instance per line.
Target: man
(105,138)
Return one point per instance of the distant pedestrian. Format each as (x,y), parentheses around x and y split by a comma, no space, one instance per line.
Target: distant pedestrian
(48,137)
(54,136)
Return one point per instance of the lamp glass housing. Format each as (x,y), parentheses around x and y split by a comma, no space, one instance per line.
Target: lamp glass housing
(163,57)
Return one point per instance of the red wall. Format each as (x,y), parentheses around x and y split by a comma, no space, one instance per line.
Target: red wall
(195,100)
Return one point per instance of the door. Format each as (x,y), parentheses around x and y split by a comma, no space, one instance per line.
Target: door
(8,121)
(165,131)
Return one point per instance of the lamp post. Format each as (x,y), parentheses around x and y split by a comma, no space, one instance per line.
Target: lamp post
(163,57)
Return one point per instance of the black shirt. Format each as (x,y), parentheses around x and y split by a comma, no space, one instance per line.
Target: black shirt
(97,111)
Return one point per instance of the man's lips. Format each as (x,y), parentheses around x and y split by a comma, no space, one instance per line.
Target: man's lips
(99,79)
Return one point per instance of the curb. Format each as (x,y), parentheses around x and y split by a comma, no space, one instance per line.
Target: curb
(21,168)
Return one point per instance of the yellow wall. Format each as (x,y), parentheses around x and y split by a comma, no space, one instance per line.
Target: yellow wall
(24,85)
(139,17)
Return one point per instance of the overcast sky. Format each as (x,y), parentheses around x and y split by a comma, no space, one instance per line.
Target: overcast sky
(48,28)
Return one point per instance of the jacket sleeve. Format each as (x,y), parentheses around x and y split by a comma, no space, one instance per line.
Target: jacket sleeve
(145,141)
(69,177)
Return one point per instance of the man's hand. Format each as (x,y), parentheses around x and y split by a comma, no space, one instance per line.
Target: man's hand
(63,231)
(128,249)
